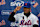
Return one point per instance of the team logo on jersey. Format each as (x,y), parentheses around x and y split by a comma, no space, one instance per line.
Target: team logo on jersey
(26,23)
(22,22)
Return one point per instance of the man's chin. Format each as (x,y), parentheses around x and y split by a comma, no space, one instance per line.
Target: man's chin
(25,12)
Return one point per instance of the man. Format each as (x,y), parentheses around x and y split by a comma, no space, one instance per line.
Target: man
(26,18)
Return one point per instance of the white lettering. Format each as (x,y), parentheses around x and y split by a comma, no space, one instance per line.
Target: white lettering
(17,4)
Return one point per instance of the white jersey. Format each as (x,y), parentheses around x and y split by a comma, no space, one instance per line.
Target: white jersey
(27,21)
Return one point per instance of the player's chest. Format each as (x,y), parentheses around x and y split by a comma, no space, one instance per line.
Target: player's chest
(25,21)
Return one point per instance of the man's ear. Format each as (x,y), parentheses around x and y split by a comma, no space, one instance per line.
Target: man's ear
(30,10)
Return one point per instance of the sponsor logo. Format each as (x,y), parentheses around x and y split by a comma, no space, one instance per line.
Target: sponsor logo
(35,4)
(2,2)
(15,3)
(6,12)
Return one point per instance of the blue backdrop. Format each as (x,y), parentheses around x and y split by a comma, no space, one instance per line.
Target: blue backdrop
(9,8)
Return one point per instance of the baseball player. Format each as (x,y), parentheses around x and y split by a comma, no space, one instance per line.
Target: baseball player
(26,18)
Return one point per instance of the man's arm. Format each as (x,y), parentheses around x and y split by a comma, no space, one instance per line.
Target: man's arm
(11,18)
(36,22)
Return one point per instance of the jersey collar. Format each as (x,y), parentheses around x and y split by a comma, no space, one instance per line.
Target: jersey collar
(25,15)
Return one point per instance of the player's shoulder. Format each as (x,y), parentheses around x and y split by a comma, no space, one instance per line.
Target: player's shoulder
(34,16)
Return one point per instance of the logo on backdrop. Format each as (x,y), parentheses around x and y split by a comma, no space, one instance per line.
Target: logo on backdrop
(6,12)
(2,2)
(3,22)
(34,3)
(17,3)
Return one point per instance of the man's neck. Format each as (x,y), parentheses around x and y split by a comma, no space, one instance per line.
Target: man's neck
(27,14)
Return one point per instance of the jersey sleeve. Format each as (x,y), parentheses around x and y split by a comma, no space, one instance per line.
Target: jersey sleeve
(36,21)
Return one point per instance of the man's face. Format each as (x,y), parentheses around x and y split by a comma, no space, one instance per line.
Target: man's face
(26,10)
